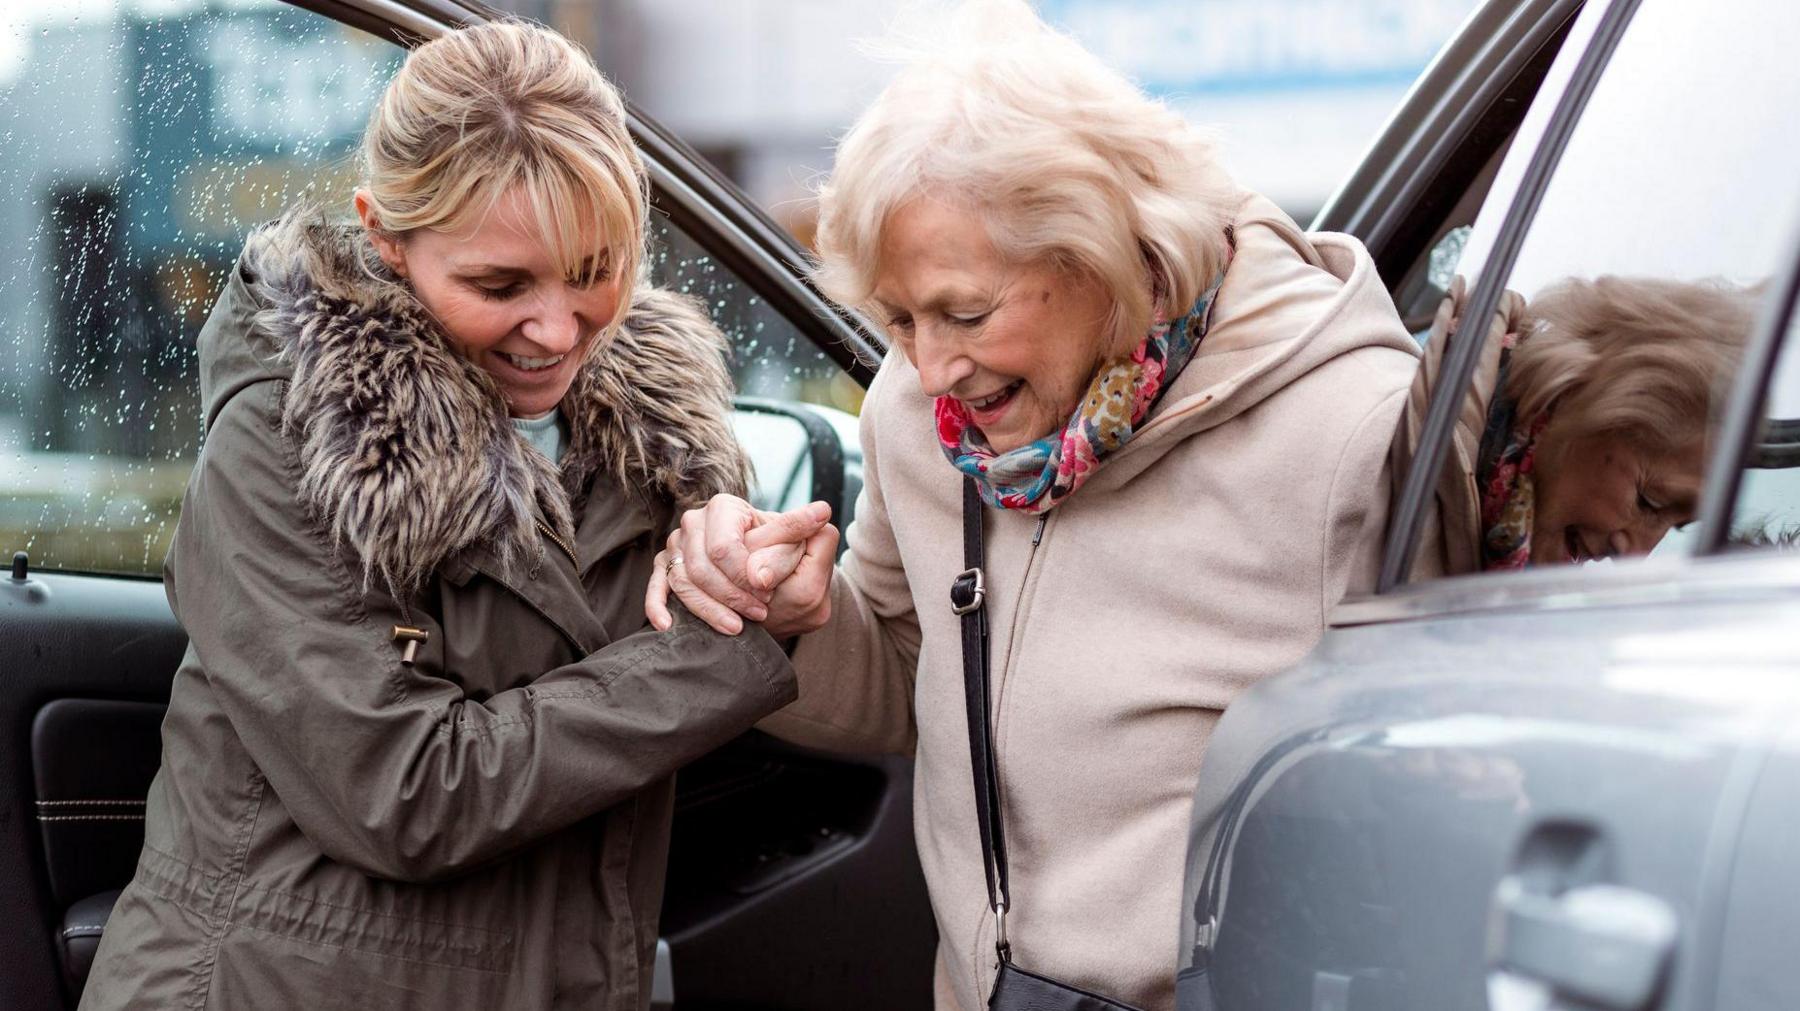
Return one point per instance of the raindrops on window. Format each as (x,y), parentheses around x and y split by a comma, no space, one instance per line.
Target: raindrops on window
(144,139)
(769,357)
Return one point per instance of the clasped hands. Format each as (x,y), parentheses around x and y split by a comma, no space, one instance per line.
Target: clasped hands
(729,562)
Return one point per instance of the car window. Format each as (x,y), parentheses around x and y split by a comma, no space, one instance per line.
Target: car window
(770,357)
(1584,434)
(144,140)
(1766,511)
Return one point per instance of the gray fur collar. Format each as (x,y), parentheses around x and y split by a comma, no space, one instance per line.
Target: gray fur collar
(405,449)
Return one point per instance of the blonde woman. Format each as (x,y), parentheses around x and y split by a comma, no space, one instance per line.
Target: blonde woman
(419,752)
(1174,408)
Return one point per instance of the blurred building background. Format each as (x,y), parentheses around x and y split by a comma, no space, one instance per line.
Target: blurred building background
(1295,89)
(144,138)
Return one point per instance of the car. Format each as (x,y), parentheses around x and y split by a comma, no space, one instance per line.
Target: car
(143,144)
(1572,785)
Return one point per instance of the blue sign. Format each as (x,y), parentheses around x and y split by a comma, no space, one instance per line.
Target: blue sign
(1185,47)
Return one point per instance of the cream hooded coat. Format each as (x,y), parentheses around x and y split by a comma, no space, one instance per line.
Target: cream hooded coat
(1200,558)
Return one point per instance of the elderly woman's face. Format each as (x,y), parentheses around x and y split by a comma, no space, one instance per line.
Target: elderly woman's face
(1016,343)
(1601,495)
(495,289)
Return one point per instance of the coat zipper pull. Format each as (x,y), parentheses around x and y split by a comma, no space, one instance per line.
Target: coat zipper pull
(1038,535)
(412,637)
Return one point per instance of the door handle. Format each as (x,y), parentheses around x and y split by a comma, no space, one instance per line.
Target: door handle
(1601,943)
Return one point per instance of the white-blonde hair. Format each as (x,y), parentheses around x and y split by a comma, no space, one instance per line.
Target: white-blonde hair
(1065,161)
(485,109)
(1643,358)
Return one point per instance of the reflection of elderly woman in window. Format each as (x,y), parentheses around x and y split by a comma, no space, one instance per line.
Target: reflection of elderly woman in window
(1596,445)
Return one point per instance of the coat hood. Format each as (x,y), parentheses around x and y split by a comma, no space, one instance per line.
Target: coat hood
(1291,301)
(405,449)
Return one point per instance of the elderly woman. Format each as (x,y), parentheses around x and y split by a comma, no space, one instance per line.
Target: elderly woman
(1596,445)
(1175,408)
(419,752)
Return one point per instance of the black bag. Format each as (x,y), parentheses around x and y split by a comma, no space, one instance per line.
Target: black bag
(1015,989)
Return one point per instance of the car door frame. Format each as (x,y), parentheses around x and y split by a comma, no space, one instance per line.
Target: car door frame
(1436,143)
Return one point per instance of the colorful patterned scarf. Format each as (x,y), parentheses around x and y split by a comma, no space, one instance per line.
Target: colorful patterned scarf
(1036,476)
(1509,500)
(1506,467)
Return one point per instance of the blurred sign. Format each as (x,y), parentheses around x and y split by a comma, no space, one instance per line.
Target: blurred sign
(1178,47)
(235,112)
(273,83)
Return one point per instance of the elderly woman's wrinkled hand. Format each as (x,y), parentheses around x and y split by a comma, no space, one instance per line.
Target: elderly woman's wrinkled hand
(729,561)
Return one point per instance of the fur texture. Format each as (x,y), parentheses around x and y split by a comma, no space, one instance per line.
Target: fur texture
(406,451)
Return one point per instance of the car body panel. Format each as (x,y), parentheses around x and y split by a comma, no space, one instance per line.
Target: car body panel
(1756,944)
(1361,811)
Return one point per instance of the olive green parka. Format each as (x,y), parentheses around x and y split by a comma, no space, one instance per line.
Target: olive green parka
(420,750)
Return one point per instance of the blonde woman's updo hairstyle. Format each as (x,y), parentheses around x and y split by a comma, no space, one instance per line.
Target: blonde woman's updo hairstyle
(1637,357)
(1066,162)
(484,109)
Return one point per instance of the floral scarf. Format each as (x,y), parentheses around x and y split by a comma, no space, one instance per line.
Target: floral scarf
(1036,476)
(1509,500)
(1507,476)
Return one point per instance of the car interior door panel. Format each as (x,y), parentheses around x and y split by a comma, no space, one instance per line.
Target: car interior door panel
(89,758)
(87,678)
(793,880)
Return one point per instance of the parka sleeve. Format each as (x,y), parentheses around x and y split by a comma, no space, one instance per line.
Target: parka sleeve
(385,766)
(857,673)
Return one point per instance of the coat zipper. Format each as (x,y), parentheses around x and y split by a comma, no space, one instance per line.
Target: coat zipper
(559,542)
(1015,627)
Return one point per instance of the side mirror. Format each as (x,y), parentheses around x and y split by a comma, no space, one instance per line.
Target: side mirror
(800,453)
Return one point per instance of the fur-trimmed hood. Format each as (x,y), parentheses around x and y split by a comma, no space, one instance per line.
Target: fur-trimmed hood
(406,452)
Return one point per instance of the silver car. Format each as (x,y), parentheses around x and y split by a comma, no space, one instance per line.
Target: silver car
(1572,786)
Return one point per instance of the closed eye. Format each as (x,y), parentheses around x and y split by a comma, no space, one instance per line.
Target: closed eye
(500,293)
(968,321)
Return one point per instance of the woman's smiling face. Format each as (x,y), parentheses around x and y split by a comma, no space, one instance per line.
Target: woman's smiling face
(1016,343)
(495,289)
(1601,496)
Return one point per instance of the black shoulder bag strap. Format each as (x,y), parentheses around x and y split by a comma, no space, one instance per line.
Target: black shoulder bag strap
(1015,989)
(968,598)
